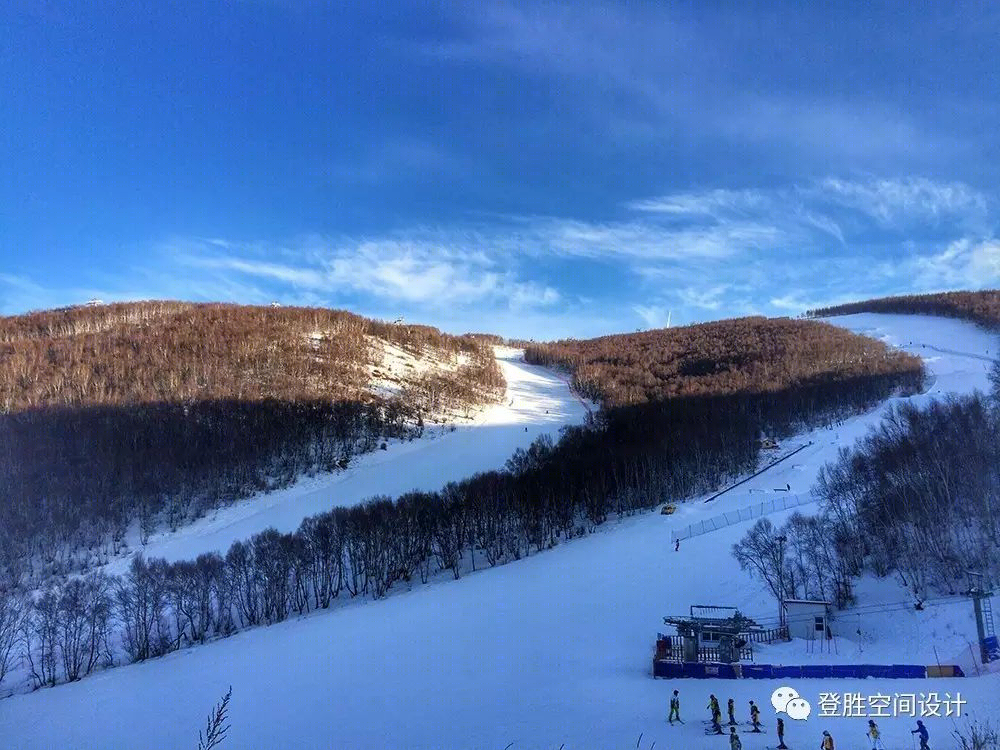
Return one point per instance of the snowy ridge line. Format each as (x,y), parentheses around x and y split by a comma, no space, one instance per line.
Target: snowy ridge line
(743,514)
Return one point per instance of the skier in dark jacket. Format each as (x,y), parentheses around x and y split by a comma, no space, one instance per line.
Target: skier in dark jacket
(924,735)
(781,734)
(675,708)
(734,740)
(732,712)
(755,717)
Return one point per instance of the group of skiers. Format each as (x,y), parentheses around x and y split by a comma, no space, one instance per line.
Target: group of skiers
(874,734)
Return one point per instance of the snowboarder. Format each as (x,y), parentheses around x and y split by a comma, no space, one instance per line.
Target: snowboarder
(677,546)
(734,740)
(675,708)
(781,734)
(875,736)
(827,743)
(924,735)
(755,717)
(732,711)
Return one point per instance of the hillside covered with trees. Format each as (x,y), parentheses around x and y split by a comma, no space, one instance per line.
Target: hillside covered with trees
(745,355)
(158,411)
(626,459)
(917,497)
(980,307)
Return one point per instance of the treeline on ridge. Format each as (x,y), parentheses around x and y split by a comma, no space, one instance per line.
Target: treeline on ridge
(746,355)
(153,352)
(625,460)
(979,307)
(159,411)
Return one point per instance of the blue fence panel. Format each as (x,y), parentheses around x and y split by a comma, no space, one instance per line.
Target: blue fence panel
(783,673)
(675,670)
(880,671)
(668,669)
(722,671)
(817,670)
(692,669)
(909,671)
(846,671)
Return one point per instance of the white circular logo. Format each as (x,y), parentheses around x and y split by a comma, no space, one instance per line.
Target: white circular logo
(781,696)
(798,709)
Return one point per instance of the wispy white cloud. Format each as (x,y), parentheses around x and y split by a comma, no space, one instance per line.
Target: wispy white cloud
(705,203)
(706,298)
(890,201)
(654,316)
(964,264)
(695,254)
(412,272)
(649,72)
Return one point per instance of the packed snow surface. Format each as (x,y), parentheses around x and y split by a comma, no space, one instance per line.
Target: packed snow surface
(553,650)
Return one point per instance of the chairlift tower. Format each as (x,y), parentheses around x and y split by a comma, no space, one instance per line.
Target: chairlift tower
(980,594)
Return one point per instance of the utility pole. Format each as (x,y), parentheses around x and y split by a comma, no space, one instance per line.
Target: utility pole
(781,578)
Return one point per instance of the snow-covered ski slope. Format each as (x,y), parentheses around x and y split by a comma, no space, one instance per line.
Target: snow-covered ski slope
(538,401)
(548,651)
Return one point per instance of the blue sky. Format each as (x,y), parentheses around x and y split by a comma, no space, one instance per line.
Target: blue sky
(538,170)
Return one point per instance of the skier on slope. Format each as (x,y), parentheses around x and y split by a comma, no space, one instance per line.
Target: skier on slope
(731,706)
(781,734)
(875,735)
(924,735)
(755,717)
(827,743)
(675,708)
(713,705)
(734,740)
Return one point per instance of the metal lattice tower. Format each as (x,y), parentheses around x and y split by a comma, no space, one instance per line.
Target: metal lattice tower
(981,594)
(987,609)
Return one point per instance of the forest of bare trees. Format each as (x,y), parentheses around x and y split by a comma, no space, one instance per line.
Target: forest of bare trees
(746,355)
(160,411)
(918,497)
(979,307)
(625,460)
(175,352)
